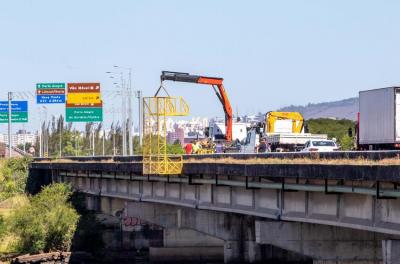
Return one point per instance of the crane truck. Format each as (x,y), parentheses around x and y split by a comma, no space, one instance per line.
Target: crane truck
(284,131)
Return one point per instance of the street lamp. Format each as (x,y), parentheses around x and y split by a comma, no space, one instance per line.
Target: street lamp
(130,114)
(140,119)
(122,86)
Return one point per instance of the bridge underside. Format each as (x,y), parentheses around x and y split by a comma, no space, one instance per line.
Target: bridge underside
(246,238)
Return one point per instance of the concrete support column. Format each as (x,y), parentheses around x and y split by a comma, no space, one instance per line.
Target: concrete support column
(252,252)
(243,246)
(233,252)
(391,251)
(242,251)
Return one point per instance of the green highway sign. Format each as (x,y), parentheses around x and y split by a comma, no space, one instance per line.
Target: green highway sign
(84,114)
(50,86)
(16,117)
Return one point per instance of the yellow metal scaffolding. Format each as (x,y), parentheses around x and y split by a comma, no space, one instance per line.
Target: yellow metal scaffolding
(156,110)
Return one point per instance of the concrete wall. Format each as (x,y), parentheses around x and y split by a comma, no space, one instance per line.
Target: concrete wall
(175,237)
(322,242)
(358,211)
(243,237)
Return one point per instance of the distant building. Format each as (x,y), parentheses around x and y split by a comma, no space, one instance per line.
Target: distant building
(19,138)
(178,134)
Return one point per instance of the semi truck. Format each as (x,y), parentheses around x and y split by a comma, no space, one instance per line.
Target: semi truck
(378,125)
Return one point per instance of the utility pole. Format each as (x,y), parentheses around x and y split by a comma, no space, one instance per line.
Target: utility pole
(76,145)
(23,128)
(140,119)
(9,124)
(61,128)
(104,134)
(40,134)
(128,123)
(130,115)
(93,132)
(123,93)
(113,141)
(44,135)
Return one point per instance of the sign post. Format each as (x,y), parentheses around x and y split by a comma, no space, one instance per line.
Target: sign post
(9,124)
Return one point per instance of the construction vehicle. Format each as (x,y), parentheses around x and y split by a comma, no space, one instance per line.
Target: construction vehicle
(283,131)
(284,122)
(217,85)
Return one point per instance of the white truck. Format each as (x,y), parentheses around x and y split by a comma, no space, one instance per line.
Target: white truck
(217,131)
(279,142)
(379,119)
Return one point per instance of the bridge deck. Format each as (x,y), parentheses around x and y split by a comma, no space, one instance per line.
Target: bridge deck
(357,166)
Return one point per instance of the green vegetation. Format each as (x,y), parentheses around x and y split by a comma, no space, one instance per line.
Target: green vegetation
(334,129)
(76,143)
(13,177)
(175,148)
(48,222)
(31,224)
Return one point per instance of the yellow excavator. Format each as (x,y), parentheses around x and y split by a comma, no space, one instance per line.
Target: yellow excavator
(272,117)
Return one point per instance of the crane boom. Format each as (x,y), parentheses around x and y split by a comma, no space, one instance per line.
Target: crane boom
(273,116)
(216,83)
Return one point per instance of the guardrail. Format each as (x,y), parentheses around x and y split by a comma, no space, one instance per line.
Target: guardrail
(372,155)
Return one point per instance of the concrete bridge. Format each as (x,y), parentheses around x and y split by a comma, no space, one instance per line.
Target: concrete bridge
(336,213)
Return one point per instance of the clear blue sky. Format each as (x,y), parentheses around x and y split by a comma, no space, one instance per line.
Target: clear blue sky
(270,53)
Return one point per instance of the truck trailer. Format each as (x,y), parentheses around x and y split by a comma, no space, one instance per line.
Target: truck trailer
(378,125)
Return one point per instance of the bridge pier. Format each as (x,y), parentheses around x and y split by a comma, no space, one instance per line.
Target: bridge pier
(391,251)
(327,244)
(242,252)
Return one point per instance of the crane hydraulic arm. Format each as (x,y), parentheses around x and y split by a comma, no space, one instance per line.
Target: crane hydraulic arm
(218,87)
(296,117)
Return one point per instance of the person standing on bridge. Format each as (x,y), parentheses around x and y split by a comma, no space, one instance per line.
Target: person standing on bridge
(263,146)
(189,148)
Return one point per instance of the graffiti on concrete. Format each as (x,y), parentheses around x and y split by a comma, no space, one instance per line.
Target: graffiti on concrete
(130,221)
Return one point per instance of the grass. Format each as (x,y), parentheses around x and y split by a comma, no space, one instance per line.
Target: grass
(8,205)
(359,161)
(7,242)
(313,159)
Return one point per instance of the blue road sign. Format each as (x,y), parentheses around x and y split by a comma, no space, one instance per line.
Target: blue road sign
(50,99)
(16,106)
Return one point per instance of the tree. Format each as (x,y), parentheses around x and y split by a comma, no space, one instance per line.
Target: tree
(13,176)
(338,129)
(47,223)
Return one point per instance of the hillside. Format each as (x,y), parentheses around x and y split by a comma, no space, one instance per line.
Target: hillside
(346,108)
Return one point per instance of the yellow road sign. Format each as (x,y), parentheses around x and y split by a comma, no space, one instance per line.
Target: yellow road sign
(82,98)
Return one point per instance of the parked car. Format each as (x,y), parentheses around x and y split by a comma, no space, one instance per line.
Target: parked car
(320,146)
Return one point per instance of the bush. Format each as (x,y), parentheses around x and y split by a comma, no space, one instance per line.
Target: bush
(47,223)
(346,143)
(13,177)
(175,149)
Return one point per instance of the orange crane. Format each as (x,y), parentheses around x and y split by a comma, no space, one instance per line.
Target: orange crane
(218,87)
